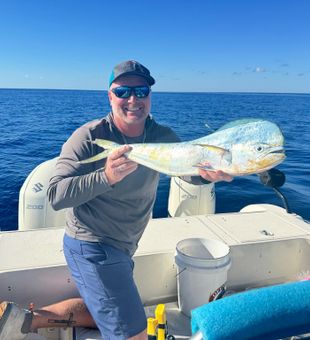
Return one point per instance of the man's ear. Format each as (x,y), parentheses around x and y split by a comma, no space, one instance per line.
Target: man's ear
(110,96)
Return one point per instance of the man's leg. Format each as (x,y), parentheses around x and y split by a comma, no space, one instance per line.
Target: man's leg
(53,315)
(16,323)
(73,311)
(104,278)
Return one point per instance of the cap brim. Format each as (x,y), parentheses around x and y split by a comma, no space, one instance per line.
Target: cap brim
(149,79)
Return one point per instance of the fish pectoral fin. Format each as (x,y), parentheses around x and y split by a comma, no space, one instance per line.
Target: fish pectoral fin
(214,148)
(98,157)
(207,167)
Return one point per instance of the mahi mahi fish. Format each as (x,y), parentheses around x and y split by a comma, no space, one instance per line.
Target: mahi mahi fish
(241,147)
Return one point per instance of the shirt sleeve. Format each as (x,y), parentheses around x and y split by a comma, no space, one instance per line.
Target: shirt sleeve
(73,184)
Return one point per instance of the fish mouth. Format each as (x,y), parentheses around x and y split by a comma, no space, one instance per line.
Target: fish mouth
(276,150)
(271,158)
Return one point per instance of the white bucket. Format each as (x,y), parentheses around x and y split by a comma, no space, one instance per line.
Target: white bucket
(202,267)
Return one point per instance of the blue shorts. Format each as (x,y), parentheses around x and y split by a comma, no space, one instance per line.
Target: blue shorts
(104,278)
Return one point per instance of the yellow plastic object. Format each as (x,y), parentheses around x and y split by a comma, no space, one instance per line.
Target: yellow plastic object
(160,315)
(151,328)
(156,327)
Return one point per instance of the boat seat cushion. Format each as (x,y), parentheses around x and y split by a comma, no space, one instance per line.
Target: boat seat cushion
(263,313)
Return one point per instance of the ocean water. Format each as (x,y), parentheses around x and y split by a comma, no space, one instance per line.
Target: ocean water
(35,124)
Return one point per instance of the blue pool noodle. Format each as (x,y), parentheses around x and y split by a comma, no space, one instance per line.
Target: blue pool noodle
(263,313)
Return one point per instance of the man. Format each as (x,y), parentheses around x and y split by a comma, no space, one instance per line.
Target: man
(109,205)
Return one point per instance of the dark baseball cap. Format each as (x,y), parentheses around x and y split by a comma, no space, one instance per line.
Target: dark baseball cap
(131,67)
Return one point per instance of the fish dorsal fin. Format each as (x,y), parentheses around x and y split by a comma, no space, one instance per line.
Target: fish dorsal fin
(239,122)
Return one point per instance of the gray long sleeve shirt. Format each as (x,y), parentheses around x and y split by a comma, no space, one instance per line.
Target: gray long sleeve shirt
(118,214)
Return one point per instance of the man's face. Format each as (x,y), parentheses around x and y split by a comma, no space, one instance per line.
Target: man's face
(131,111)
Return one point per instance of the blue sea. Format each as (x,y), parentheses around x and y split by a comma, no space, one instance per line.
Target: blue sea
(35,124)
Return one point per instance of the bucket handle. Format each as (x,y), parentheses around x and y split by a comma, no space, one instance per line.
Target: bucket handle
(179,273)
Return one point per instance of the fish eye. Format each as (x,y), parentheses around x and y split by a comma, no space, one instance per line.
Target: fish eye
(259,148)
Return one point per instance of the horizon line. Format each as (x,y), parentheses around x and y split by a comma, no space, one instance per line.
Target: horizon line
(102,90)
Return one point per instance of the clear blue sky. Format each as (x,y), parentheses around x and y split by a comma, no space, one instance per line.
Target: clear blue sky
(197,45)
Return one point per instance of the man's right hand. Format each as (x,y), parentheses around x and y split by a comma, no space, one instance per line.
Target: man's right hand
(215,176)
(118,165)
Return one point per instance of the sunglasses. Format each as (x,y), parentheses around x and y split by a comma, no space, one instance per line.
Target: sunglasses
(126,91)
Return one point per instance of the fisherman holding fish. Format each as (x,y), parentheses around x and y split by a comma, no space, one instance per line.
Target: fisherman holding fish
(109,203)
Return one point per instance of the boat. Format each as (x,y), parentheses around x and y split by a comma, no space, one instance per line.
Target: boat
(268,246)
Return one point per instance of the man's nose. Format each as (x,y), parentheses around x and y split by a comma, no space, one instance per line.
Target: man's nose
(132,98)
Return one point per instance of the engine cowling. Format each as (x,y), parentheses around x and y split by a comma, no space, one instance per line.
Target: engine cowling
(186,199)
(34,209)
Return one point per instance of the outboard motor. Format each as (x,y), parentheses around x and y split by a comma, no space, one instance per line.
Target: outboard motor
(34,209)
(187,199)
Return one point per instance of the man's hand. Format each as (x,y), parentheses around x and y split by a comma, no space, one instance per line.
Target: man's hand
(118,165)
(215,176)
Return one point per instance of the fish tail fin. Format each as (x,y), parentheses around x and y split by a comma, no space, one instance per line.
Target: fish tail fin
(106,144)
(98,157)
(103,143)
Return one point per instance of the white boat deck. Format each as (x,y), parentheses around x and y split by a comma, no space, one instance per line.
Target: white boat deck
(268,246)
(178,324)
